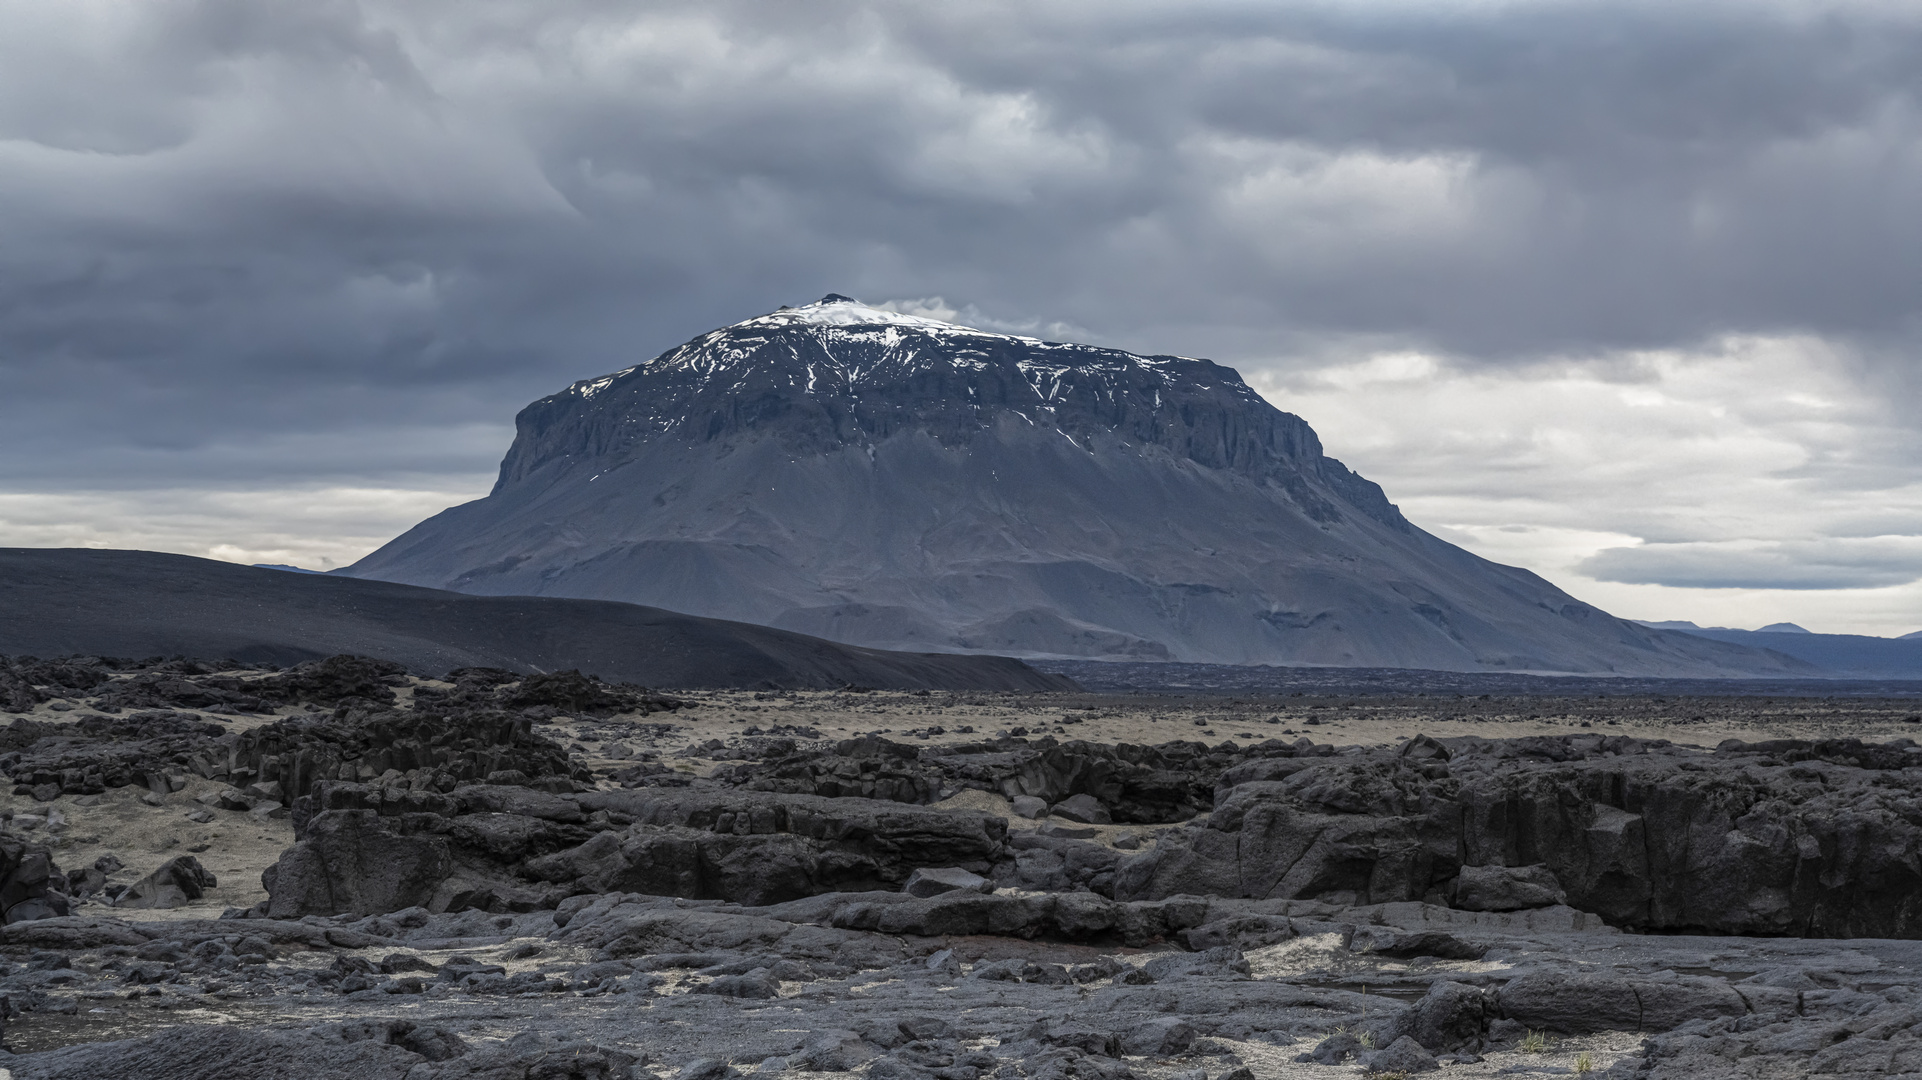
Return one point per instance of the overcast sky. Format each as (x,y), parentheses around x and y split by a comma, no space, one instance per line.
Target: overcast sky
(1626,293)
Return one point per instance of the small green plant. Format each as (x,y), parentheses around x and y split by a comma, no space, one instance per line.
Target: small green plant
(1535,1042)
(1584,1062)
(1366,1039)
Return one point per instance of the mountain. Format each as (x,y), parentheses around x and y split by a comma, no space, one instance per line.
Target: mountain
(60,602)
(1834,655)
(895,481)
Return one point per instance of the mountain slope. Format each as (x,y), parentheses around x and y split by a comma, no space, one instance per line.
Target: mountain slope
(895,481)
(59,602)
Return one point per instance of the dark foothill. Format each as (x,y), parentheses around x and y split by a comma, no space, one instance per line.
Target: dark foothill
(145,603)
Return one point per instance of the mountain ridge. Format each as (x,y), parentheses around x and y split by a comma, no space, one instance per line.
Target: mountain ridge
(1839,655)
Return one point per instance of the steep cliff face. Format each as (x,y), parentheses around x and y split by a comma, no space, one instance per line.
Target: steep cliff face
(896,481)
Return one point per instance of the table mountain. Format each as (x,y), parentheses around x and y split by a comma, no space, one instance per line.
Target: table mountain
(895,481)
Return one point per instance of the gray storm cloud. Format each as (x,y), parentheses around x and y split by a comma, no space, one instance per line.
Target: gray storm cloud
(1824,564)
(249,242)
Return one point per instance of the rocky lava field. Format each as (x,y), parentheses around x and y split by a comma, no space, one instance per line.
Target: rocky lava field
(496,875)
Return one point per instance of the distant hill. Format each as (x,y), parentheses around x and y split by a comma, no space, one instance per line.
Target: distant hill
(1853,655)
(900,482)
(56,602)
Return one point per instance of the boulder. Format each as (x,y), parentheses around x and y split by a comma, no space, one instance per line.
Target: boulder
(31,886)
(1061,831)
(915,1028)
(1571,1004)
(832,1051)
(1507,888)
(174,884)
(1581,1004)
(758,984)
(1163,1036)
(1027,806)
(1332,1050)
(1451,1016)
(1084,808)
(1668,1003)
(706,1069)
(925,882)
(356,862)
(1403,1056)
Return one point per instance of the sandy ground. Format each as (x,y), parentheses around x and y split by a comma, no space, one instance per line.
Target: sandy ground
(939,718)
(235,846)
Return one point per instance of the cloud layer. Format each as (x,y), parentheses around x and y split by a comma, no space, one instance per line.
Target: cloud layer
(328,245)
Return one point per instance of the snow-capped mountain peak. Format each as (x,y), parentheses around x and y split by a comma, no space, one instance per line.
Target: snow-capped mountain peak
(837,310)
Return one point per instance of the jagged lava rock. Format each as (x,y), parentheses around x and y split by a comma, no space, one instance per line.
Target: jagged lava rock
(1644,834)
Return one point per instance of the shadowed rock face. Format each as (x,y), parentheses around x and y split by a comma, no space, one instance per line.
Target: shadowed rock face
(893,481)
(1804,838)
(1819,839)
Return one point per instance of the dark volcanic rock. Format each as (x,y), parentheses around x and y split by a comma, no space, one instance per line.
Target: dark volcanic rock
(947,879)
(760,848)
(1639,833)
(510,848)
(1403,1056)
(577,693)
(31,886)
(1506,888)
(442,741)
(356,862)
(175,883)
(97,752)
(201,1051)
(707,931)
(450,747)
(1131,783)
(26,681)
(1643,835)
